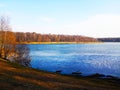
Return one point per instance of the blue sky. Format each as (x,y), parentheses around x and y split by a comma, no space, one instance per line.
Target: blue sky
(95,18)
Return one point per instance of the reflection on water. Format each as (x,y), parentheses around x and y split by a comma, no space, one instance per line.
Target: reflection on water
(86,58)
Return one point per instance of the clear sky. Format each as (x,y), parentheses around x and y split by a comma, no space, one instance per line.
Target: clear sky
(95,18)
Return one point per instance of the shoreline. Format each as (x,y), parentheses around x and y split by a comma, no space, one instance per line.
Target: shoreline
(20,77)
(59,42)
(80,74)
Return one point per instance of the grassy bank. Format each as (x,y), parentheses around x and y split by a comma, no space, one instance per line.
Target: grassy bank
(57,42)
(17,77)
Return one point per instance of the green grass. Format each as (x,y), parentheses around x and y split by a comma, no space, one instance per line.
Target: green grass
(17,77)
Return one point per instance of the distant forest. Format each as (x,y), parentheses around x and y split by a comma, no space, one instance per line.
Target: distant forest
(36,37)
(109,39)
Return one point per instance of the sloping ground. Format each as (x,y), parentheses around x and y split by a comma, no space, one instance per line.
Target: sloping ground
(17,77)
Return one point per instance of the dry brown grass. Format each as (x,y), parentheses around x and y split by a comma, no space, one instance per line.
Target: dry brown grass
(58,42)
(17,77)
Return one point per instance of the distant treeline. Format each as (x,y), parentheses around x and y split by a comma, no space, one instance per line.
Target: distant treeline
(109,39)
(36,37)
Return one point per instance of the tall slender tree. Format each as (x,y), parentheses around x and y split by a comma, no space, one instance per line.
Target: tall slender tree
(7,38)
(9,45)
(3,27)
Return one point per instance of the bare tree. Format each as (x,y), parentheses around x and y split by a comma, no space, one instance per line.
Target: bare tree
(9,45)
(7,38)
(2,28)
(22,55)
